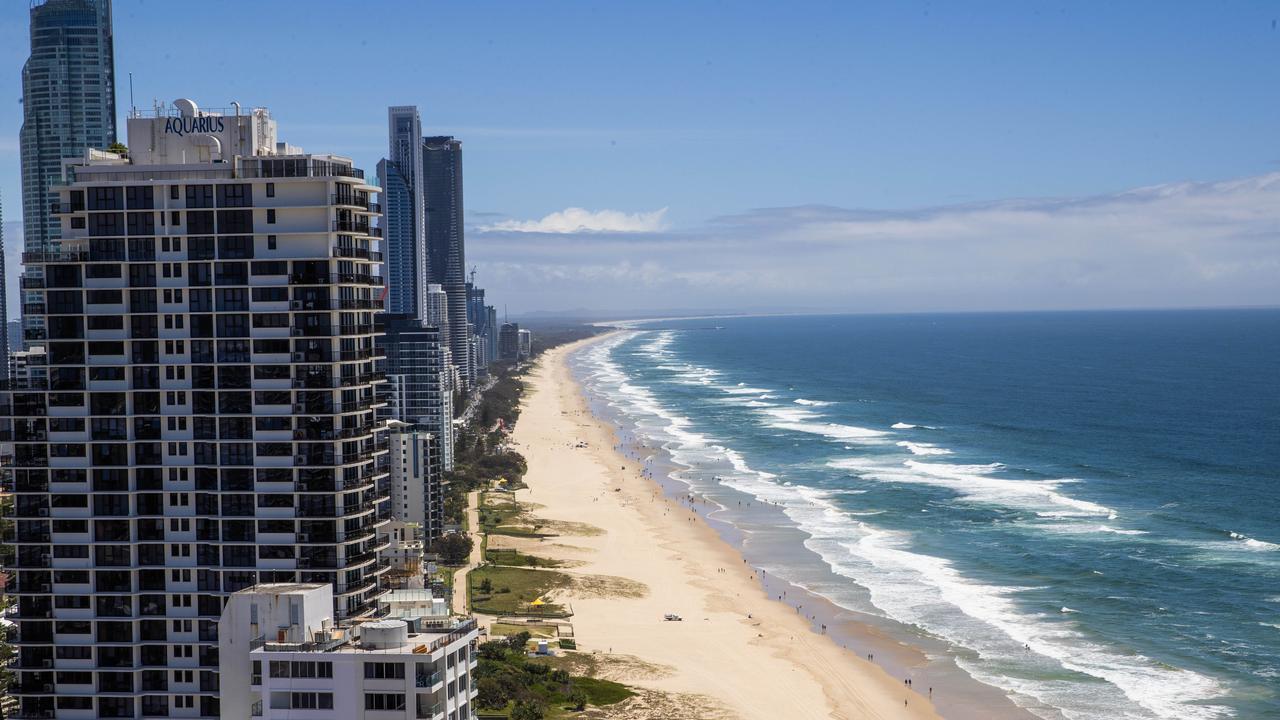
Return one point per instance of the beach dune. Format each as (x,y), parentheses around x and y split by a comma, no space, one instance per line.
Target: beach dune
(735,652)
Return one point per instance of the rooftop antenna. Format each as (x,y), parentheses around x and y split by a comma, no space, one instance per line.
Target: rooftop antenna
(133,108)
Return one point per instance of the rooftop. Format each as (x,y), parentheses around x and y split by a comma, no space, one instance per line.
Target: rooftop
(342,641)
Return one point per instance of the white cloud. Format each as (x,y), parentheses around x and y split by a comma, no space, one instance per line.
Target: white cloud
(577,220)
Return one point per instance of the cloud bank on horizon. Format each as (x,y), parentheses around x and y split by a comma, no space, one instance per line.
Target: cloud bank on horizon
(1174,245)
(575,220)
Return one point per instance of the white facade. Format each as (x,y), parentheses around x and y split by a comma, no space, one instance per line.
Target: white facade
(27,367)
(404,553)
(417,494)
(410,667)
(437,312)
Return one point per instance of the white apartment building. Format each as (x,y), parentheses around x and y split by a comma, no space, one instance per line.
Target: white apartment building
(206,418)
(417,494)
(404,553)
(283,657)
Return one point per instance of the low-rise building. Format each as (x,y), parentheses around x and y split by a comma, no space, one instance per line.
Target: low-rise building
(282,656)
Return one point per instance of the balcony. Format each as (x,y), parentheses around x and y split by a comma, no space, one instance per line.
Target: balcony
(351,200)
(337,304)
(295,167)
(351,226)
(355,252)
(37,258)
(335,279)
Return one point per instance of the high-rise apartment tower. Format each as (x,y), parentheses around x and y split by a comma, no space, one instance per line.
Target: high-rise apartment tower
(208,418)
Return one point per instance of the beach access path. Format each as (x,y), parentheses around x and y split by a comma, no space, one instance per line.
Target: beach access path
(747,655)
(458,602)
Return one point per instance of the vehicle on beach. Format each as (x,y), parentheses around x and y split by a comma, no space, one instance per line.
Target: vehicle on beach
(672,617)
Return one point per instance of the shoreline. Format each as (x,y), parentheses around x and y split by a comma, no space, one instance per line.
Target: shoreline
(753,656)
(897,648)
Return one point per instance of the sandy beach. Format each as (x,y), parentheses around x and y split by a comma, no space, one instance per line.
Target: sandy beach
(736,651)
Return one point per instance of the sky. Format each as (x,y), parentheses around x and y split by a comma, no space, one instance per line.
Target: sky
(766,156)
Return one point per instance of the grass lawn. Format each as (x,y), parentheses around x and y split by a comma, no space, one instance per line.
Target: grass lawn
(537,632)
(515,558)
(602,692)
(521,587)
(497,511)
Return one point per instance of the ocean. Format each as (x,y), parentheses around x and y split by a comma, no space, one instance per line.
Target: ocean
(1080,509)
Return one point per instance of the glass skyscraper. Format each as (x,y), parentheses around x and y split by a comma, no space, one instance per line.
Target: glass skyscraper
(68,103)
(401,178)
(446,257)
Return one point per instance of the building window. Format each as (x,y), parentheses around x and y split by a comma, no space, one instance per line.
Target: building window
(271,242)
(173,192)
(384,671)
(271,189)
(199,196)
(233,195)
(384,701)
(271,216)
(311,701)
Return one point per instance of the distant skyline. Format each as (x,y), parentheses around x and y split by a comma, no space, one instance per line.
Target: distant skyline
(831,156)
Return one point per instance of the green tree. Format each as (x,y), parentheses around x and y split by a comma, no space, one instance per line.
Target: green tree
(118,148)
(486,586)
(491,693)
(453,548)
(578,700)
(493,650)
(526,711)
(519,640)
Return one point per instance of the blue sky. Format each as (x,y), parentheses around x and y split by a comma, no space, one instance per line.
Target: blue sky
(710,109)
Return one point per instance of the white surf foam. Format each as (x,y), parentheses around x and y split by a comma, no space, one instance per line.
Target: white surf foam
(741,389)
(909,426)
(980,484)
(812,403)
(923,448)
(1253,544)
(1119,531)
(807,421)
